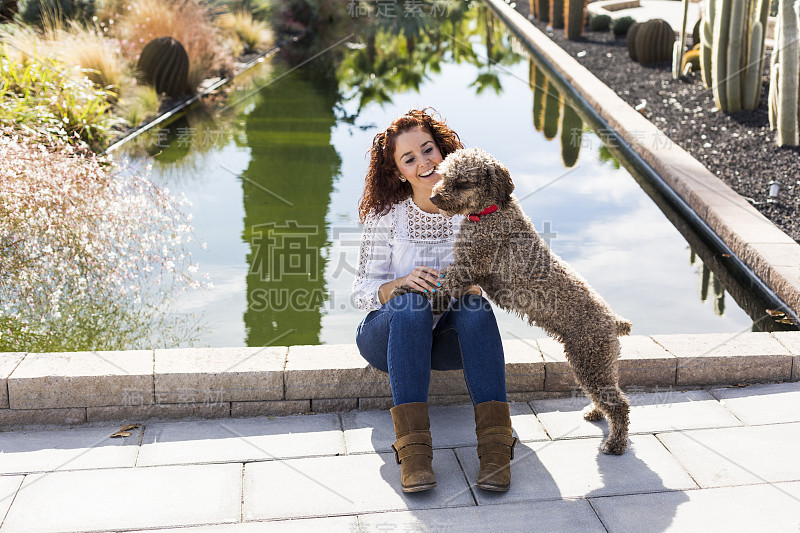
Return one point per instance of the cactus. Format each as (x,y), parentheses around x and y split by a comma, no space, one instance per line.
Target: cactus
(557,14)
(543,10)
(571,135)
(732,57)
(622,25)
(575,18)
(680,45)
(784,74)
(539,83)
(165,65)
(691,60)
(631,40)
(696,33)
(654,41)
(552,111)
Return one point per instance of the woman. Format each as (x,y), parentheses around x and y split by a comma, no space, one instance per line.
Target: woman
(406,241)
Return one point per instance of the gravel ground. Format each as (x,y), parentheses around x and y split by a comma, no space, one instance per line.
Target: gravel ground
(739,148)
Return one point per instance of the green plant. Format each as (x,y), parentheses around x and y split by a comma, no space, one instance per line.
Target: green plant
(39,12)
(575,18)
(733,52)
(600,23)
(165,65)
(620,26)
(42,94)
(654,40)
(557,14)
(139,104)
(784,74)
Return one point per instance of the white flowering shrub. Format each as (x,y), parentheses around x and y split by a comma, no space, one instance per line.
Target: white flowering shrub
(90,253)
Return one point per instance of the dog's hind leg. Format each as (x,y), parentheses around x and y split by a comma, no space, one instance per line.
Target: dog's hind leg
(595,365)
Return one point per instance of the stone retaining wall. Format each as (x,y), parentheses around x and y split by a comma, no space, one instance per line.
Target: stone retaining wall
(133,386)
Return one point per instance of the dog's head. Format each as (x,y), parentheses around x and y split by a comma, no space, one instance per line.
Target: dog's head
(472,180)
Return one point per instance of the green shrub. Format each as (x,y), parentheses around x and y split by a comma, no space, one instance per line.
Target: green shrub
(621,25)
(600,23)
(42,94)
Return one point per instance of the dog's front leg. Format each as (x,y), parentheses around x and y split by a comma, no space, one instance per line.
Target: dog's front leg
(456,281)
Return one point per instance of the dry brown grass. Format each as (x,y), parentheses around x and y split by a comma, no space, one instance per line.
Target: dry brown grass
(184,20)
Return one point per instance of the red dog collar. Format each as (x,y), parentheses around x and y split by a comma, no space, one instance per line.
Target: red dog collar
(476,217)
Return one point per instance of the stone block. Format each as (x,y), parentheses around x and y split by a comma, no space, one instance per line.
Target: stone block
(80,379)
(158,411)
(524,366)
(375,404)
(333,405)
(332,371)
(8,362)
(189,375)
(42,417)
(558,375)
(449,400)
(724,358)
(645,363)
(791,340)
(447,383)
(270,408)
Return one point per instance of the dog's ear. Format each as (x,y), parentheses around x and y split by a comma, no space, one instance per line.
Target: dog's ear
(501,184)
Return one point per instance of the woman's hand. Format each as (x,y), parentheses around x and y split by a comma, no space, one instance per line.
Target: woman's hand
(423,279)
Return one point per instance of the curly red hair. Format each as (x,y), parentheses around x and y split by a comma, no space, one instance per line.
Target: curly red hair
(382,188)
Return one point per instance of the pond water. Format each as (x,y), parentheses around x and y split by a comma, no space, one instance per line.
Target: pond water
(275,188)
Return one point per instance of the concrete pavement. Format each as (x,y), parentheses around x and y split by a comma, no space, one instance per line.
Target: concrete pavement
(719,459)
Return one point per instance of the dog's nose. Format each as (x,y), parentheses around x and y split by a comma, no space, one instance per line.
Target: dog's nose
(435,199)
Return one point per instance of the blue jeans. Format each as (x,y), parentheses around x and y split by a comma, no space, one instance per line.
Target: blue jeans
(399,339)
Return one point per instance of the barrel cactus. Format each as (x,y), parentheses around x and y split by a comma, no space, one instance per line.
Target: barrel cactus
(631,39)
(557,14)
(691,60)
(164,64)
(654,40)
(574,18)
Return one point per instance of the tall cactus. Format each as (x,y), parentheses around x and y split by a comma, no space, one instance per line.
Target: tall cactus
(552,111)
(571,135)
(557,14)
(575,18)
(733,33)
(784,74)
(542,10)
(539,83)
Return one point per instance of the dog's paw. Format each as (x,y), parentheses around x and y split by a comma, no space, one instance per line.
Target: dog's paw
(614,446)
(592,414)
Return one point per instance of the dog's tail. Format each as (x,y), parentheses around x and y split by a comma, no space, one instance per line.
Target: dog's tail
(623,327)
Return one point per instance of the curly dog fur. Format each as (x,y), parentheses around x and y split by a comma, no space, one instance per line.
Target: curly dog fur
(505,256)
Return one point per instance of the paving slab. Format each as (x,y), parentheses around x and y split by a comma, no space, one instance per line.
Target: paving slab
(8,490)
(749,508)
(451,426)
(219,374)
(91,500)
(650,412)
(727,358)
(8,362)
(762,404)
(328,486)
(80,379)
(562,515)
(241,439)
(737,456)
(329,524)
(51,450)
(332,371)
(577,468)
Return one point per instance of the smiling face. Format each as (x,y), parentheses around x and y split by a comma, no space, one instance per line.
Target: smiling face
(417,156)
(472,180)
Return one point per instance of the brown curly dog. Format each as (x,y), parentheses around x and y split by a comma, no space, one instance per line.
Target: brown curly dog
(499,249)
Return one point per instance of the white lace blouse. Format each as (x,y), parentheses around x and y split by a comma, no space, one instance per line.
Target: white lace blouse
(396,243)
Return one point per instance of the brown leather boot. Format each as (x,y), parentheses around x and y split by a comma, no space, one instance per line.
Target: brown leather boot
(495,445)
(413,448)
